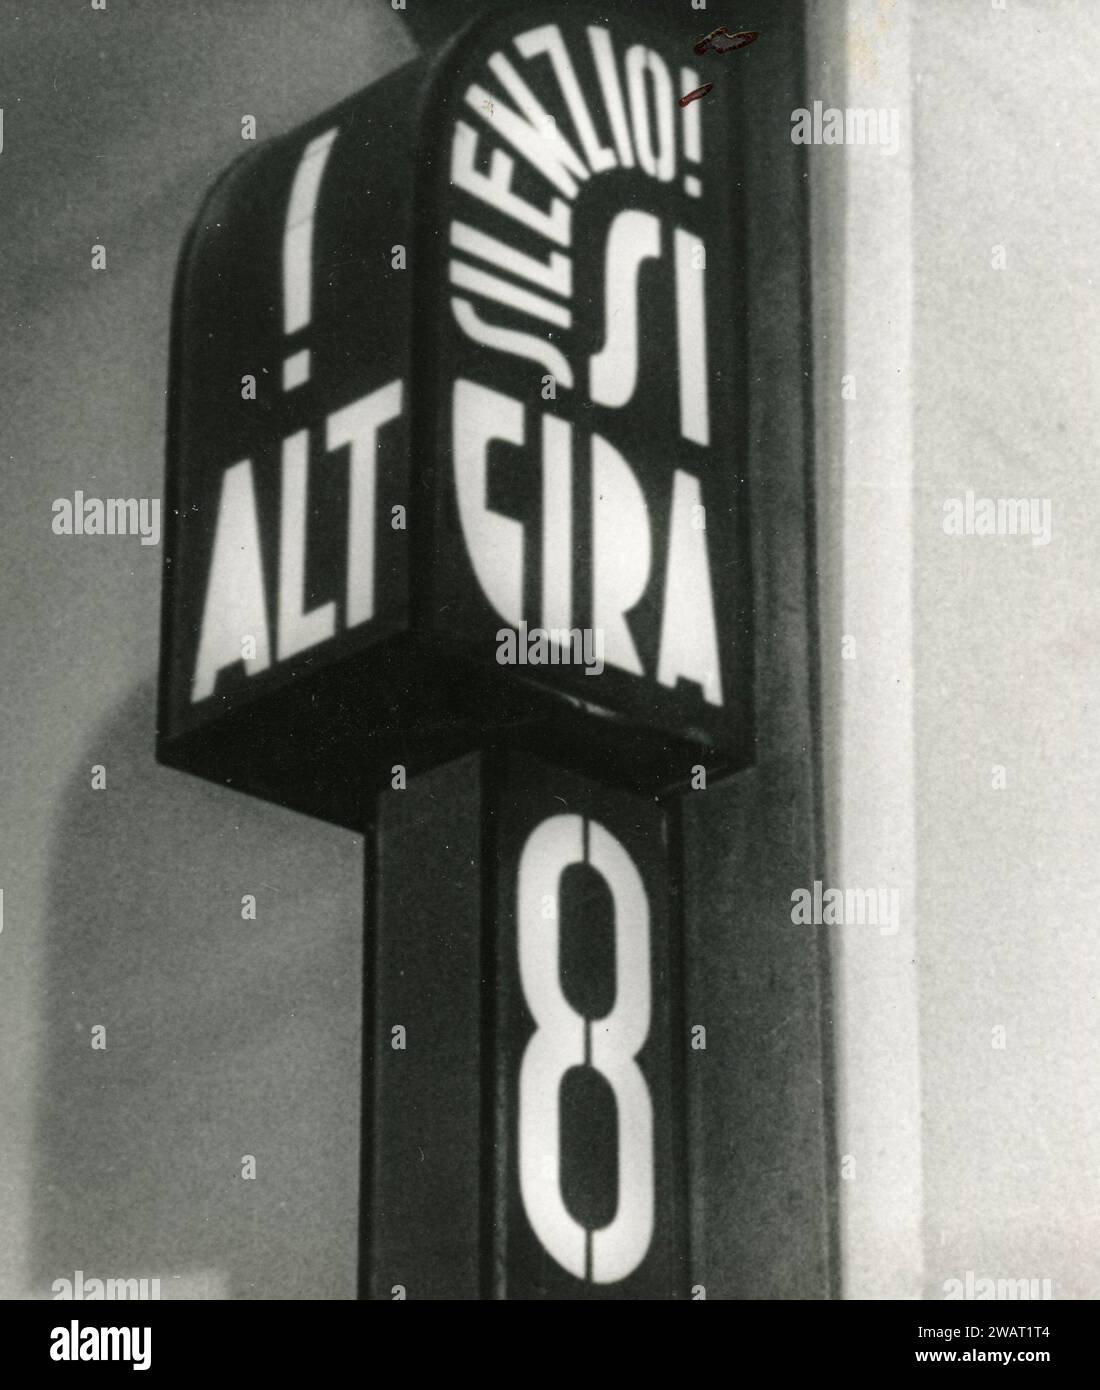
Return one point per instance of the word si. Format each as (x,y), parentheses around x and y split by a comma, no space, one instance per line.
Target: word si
(641,117)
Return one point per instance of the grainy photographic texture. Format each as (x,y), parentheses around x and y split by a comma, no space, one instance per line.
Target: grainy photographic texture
(547,751)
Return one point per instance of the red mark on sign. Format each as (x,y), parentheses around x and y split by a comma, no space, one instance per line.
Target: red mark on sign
(696,94)
(720,40)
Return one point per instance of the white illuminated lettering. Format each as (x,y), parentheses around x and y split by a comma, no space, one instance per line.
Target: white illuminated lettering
(613,372)
(513,341)
(557,522)
(558,1044)
(495,188)
(536,137)
(689,634)
(357,425)
(691,340)
(235,605)
(659,162)
(493,542)
(297,629)
(621,552)
(628,121)
(604,56)
(555,274)
(467,277)
(548,40)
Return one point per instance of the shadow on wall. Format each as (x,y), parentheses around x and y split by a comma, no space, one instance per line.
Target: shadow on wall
(224,1037)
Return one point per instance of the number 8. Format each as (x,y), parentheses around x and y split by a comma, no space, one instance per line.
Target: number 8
(558,1043)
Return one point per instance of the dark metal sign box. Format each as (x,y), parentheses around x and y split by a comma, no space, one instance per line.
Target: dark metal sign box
(492,308)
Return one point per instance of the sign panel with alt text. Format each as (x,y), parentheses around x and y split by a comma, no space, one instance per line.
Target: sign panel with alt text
(456,434)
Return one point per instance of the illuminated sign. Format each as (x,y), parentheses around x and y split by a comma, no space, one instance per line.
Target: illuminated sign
(455,437)
(526,1110)
(458,447)
(590,1125)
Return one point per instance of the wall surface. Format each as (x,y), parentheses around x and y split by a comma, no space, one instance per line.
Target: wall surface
(954,285)
(122,907)
(862,200)
(1007,405)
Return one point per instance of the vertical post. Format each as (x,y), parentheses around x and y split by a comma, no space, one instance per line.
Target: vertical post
(525,1136)
(420,1228)
(737,1057)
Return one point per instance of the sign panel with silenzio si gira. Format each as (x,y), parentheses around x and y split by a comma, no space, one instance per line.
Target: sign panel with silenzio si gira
(489,481)
(457,556)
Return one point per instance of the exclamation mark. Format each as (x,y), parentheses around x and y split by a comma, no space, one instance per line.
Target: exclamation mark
(693,132)
(298,252)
